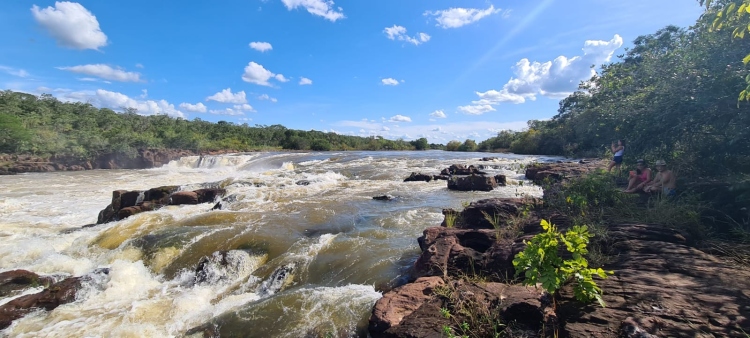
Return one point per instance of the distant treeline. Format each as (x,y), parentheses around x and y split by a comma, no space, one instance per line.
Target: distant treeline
(673,96)
(45,126)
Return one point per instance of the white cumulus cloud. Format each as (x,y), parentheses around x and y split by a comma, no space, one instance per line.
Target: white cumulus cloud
(114,100)
(322,8)
(266,97)
(194,108)
(399,118)
(389,82)
(280,78)
(226,96)
(105,72)
(457,17)
(71,24)
(257,74)
(556,78)
(244,107)
(226,111)
(476,109)
(304,81)
(399,33)
(261,46)
(439,114)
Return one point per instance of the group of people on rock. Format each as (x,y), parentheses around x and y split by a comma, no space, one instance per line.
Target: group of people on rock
(642,179)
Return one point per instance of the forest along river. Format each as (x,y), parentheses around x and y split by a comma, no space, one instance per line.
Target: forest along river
(303,260)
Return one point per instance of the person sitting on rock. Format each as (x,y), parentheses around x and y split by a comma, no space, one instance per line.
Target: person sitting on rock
(639,178)
(664,182)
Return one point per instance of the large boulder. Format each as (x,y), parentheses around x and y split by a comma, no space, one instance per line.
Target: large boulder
(400,302)
(472,182)
(416,177)
(416,310)
(461,252)
(480,214)
(128,203)
(460,169)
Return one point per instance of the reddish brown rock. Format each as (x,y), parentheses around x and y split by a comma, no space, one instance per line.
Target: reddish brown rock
(184,197)
(209,195)
(401,302)
(17,280)
(57,294)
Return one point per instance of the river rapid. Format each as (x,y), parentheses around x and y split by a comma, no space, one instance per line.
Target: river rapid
(303,260)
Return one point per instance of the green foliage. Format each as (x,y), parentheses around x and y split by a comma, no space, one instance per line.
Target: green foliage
(732,16)
(589,197)
(420,144)
(47,127)
(468,145)
(453,145)
(541,263)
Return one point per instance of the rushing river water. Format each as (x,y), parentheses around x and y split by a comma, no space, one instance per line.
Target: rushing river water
(303,260)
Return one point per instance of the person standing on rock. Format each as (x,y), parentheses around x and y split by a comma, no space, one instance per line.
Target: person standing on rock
(618,150)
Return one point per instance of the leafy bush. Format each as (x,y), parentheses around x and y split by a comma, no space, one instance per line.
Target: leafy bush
(541,263)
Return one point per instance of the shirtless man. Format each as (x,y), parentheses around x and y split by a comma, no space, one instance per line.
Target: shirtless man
(664,182)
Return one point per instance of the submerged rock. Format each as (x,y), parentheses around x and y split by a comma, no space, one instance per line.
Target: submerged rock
(383,197)
(14,281)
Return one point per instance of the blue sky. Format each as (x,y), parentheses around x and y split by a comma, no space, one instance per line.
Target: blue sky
(439,69)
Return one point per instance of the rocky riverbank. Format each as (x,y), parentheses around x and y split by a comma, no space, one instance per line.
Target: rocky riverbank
(144,158)
(662,286)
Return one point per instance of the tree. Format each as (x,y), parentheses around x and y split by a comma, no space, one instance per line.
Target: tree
(420,143)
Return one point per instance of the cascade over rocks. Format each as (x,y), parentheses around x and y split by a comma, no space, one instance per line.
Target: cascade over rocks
(143,159)
(54,295)
(128,203)
(462,178)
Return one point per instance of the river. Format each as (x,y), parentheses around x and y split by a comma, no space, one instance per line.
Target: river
(303,260)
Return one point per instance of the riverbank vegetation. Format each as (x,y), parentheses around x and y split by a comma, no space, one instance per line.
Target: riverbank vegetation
(45,126)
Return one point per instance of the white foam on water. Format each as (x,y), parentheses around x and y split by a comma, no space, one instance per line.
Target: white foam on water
(135,301)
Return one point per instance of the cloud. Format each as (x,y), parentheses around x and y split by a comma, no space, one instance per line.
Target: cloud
(304,81)
(557,78)
(441,133)
(226,96)
(457,17)
(399,33)
(14,71)
(194,108)
(476,109)
(114,100)
(255,73)
(389,82)
(438,114)
(266,97)
(105,72)
(71,24)
(261,46)
(244,107)
(399,118)
(322,8)
(144,93)
(138,65)
(226,111)
(280,78)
